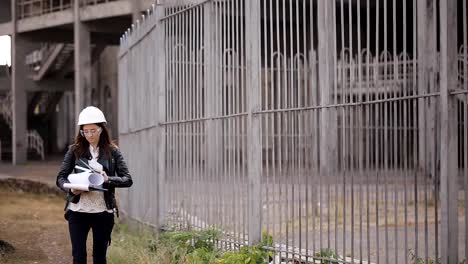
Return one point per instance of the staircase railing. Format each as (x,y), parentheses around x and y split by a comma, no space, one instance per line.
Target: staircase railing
(42,60)
(5,109)
(462,66)
(35,140)
(31,8)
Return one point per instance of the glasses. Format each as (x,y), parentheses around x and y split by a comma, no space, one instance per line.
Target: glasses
(91,132)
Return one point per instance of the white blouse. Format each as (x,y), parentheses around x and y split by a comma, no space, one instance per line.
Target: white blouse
(91,202)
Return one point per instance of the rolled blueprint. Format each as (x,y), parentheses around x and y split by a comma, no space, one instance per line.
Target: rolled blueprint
(86,178)
(83,187)
(85,181)
(76,186)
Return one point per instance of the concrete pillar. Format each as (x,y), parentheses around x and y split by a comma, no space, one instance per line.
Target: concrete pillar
(214,155)
(160,83)
(20,46)
(82,42)
(136,10)
(254,137)
(83,69)
(71,125)
(449,133)
(65,122)
(328,117)
(426,84)
(107,83)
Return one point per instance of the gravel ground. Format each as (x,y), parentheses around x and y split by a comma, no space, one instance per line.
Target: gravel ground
(34,225)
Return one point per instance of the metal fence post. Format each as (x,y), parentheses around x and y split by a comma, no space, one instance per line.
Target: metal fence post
(161,111)
(449,170)
(254,154)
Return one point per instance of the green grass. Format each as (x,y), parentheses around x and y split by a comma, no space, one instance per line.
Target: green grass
(134,246)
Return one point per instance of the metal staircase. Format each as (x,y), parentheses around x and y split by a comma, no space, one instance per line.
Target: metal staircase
(49,59)
(65,55)
(55,59)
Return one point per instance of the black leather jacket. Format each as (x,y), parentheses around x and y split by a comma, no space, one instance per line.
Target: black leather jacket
(115,168)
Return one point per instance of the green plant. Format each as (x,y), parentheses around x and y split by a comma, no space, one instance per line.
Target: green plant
(202,256)
(267,240)
(328,255)
(255,254)
(246,255)
(191,246)
(153,244)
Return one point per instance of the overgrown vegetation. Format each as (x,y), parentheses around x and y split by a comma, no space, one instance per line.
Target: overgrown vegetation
(188,246)
(250,254)
(177,247)
(193,247)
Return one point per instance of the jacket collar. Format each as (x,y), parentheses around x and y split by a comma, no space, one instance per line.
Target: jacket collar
(101,159)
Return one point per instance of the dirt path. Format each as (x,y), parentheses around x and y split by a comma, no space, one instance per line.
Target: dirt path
(35,226)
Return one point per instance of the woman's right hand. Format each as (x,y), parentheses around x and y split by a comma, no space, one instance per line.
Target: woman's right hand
(76,192)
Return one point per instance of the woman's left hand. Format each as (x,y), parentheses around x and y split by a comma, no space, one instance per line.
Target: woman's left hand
(106,178)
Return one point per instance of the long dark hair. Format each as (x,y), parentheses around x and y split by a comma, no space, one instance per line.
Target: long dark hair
(105,144)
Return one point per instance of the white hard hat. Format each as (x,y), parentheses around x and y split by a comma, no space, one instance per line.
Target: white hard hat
(91,115)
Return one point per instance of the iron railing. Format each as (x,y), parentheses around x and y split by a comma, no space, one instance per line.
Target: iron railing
(35,141)
(228,119)
(31,8)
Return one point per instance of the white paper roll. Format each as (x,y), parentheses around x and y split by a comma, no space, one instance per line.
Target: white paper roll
(79,178)
(87,178)
(76,186)
(95,179)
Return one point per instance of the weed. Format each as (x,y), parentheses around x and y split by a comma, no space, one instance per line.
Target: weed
(327,255)
(256,254)
(420,260)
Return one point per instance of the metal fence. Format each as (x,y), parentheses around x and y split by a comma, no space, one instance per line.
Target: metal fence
(329,124)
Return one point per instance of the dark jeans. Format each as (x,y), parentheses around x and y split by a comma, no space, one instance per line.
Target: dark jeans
(79,225)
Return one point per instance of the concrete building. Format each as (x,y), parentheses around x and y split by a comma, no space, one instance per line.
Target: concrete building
(63,58)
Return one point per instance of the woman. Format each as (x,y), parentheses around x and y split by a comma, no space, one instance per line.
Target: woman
(94,210)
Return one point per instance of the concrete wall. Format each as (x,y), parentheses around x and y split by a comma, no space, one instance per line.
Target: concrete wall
(65,125)
(109,86)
